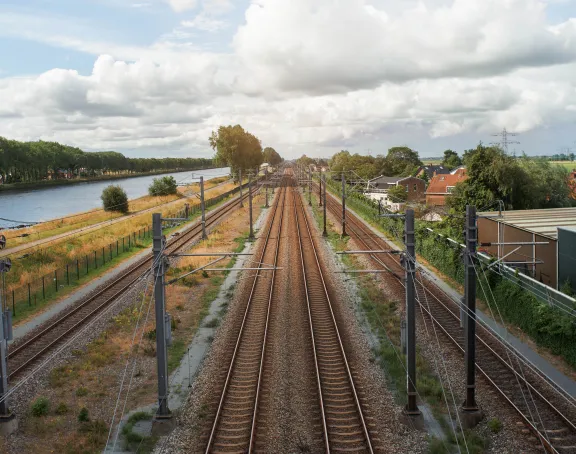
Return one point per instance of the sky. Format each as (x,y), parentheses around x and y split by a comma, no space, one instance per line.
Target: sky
(155,77)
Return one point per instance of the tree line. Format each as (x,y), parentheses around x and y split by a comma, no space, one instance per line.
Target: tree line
(37,161)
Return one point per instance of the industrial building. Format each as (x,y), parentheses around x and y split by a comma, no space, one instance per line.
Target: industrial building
(551,255)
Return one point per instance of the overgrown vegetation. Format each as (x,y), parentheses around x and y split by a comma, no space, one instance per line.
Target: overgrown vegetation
(40,407)
(547,325)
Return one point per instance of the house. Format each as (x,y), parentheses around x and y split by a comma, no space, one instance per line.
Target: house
(377,189)
(431,170)
(441,186)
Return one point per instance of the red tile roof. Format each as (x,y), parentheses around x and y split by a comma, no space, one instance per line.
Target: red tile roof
(439,183)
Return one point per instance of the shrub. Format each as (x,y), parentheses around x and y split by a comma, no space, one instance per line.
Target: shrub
(114,198)
(40,407)
(163,186)
(81,391)
(495,425)
(83,416)
(61,409)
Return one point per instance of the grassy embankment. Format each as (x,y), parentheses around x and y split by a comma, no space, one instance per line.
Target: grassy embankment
(90,379)
(383,316)
(66,250)
(66,224)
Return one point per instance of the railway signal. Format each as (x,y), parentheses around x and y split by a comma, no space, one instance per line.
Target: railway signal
(251,236)
(323,180)
(343,205)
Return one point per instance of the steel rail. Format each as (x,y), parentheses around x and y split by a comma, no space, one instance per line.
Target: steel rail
(239,338)
(173,245)
(335,325)
(537,432)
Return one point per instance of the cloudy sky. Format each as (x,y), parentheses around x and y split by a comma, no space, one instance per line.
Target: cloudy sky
(155,77)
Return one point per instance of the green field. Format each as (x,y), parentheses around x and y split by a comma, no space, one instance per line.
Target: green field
(570,165)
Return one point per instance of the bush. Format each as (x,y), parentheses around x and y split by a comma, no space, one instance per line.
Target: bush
(61,409)
(81,392)
(83,416)
(163,186)
(495,425)
(40,407)
(114,198)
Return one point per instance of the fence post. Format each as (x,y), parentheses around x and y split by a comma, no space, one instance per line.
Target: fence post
(77,269)
(103,257)
(87,266)
(56,279)
(67,275)
(123,248)
(29,297)
(110,248)
(95,261)
(116,248)
(13,304)
(129,241)
(43,289)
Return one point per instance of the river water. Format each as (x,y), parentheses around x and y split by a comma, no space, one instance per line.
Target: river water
(35,205)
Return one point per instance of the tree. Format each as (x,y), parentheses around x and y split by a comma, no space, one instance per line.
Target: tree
(236,148)
(114,198)
(402,160)
(271,156)
(163,186)
(451,159)
(398,194)
(305,160)
(524,183)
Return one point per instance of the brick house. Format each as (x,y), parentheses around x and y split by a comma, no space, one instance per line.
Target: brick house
(441,186)
(377,188)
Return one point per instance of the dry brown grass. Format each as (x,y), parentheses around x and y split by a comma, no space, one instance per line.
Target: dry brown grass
(92,217)
(68,249)
(98,367)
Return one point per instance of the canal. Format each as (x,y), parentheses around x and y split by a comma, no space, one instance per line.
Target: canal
(43,204)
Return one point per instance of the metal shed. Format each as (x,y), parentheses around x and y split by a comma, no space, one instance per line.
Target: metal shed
(540,261)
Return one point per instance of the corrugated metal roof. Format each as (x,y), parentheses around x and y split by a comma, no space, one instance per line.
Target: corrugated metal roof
(543,222)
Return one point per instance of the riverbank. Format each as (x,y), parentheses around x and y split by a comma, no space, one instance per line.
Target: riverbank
(54,183)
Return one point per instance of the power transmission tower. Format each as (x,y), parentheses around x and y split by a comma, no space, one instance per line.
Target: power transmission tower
(505,141)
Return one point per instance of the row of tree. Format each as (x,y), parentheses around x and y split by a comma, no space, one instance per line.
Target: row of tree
(241,150)
(521,183)
(400,161)
(37,161)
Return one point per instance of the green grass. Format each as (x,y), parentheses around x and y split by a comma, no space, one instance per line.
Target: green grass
(134,441)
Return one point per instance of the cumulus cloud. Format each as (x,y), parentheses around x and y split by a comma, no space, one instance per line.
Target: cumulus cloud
(328,46)
(182,5)
(303,75)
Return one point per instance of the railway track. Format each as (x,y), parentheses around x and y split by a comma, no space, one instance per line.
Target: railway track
(241,417)
(234,426)
(344,424)
(24,354)
(547,412)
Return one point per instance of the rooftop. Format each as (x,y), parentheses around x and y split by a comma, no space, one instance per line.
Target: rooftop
(543,222)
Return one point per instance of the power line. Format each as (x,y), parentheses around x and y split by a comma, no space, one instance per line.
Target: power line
(504,142)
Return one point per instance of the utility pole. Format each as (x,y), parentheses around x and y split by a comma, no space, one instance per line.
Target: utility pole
(159,304)
(266,194)
(240,173)
(251,236)
(323,180)
(203,206)
(320,189)
(6,416)
(410,271)
(343,205)
(471,413)
(309,187)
